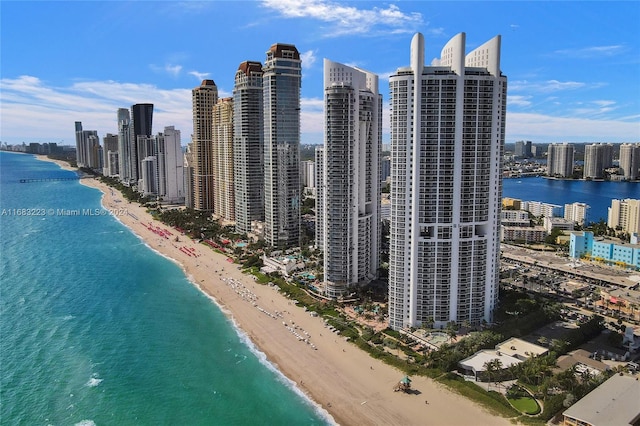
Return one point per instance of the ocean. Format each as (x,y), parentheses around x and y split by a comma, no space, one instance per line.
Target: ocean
(597,195)
(98,329)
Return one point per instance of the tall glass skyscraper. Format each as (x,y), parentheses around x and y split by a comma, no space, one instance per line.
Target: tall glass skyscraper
(248,145)
(281,95)
(447,137)
(124,145)
(348,204)
(141,123)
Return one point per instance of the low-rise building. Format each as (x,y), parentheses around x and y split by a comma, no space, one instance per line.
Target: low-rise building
(511,203)
(584,244)
(538,208)
(558,223)
(282,264)
(510,352)
(614,402)
(582,361)
(515,218)
(535,234)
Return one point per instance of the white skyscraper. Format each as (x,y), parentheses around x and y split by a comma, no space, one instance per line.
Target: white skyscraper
(630,160)
(88,149)
(447,137)
(281,94)
(350,208)
(560,160)
(597,157)
(148,183)
(308,174)
(170,166)
(320,201)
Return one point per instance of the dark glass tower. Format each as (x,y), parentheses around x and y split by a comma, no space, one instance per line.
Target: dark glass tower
(142,120)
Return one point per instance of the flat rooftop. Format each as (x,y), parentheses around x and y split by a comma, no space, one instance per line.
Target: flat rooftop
(615,402)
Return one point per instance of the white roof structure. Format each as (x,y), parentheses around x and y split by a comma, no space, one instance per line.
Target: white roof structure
(477,361)
(615,402)
(520,349)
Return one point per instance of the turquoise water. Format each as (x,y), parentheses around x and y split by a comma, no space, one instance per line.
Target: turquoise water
(96,328)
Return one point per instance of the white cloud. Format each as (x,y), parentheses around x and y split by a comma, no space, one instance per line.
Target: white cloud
(199,75)
(308,58)
(32,110)
(604,103)
(348,19)
(170,69)
(592,51)
(547,128)
(549,86)
(312,115)
(522,101)
(173,69)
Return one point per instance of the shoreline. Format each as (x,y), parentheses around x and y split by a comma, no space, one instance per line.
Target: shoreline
(338,377)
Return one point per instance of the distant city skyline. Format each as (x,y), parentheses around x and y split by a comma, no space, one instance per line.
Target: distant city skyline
(573,67)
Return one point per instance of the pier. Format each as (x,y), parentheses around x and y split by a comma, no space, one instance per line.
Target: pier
(33,180)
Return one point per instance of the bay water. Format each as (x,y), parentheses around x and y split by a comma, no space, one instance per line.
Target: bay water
(597,195)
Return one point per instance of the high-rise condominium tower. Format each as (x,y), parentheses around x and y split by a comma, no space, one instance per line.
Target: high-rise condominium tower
(223,203)
(80,146)
(560,159)
(281,94)
(523,149)
(630,160)
(170,165)
(350,196)
(110,150)
(141,123)
(447,136)
(597,157)
(125,154)
(88,149)
(248,145)
(188,176)
(204,98)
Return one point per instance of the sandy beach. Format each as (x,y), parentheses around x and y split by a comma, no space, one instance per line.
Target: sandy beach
(353,387)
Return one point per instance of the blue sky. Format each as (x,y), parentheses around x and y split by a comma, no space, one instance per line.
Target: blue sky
(573,67)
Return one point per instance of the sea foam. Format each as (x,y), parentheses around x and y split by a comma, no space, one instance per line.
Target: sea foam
(94,381)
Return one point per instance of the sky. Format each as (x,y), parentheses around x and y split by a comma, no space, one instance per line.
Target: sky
(573,68)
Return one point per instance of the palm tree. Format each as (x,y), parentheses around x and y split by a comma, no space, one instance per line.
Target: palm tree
(493,367)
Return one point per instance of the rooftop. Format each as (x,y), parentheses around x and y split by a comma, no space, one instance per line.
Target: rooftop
(477,361)
(520,349)
(615,402)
